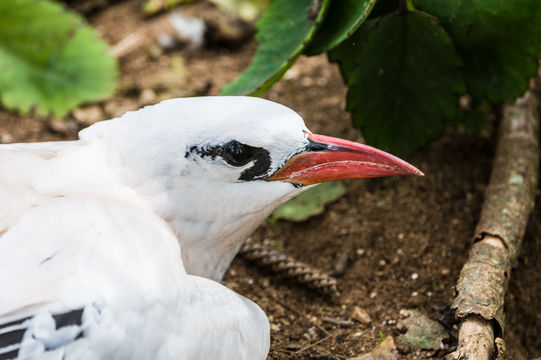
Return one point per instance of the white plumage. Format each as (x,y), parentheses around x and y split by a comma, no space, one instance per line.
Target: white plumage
(111,246)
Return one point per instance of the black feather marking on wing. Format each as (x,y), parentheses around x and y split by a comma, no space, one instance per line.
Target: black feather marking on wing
(10,355)
(13,323)
(73,317)
(11,337)
(12,333)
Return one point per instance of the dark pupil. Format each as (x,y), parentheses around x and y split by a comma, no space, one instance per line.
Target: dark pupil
(237,154)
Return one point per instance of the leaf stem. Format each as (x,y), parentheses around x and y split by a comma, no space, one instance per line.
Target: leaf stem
(403,7)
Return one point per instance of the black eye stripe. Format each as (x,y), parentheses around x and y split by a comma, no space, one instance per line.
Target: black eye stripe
(262,163)
(236,154)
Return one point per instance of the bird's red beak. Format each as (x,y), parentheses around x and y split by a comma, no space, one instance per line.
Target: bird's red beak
(327,158)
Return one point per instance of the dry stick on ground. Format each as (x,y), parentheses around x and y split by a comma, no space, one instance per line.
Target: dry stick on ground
(509,199)
(290,268)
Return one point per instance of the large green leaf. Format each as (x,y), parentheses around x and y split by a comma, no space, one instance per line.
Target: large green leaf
(283,31)
(404,82)
(50,59)
(309,203)
(341,20)
(345,53)
(499,42)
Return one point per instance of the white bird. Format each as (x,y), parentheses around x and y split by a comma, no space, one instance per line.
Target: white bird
(112,246)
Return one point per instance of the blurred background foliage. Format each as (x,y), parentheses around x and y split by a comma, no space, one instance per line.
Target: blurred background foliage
(51,60)
(408,64)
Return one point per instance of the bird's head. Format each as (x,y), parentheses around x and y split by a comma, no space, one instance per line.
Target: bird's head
(215,167)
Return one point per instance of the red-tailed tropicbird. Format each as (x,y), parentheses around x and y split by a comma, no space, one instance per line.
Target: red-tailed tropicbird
(112,246)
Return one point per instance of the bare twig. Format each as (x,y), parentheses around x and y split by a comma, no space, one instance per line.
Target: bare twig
(337,322)
(313,344)
(290,268)
(509,199)
(128,44)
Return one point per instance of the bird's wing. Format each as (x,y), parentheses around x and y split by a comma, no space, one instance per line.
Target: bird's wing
(35,173)
(90,278)
(69,253)
(210,323)
(21,165)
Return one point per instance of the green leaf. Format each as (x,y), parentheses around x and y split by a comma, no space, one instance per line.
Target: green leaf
(499,42)
(404,82)
(345,53)
(309,203)
(341,20)
(283,31)
(50,59)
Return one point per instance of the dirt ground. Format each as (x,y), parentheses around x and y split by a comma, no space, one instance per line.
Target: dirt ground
(409,236)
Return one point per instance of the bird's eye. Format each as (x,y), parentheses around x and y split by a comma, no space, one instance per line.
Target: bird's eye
(237,154)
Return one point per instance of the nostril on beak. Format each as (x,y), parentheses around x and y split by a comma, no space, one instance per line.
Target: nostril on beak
(315,146)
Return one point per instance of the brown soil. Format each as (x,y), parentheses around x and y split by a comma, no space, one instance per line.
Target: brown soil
(409,236)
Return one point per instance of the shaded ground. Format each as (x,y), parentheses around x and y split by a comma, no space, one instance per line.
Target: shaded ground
(409,236)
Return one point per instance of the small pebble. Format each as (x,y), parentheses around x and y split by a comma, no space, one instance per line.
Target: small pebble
(361,315)
(188,28)
(311,333)
(63,127)
(147,97)
(373,294)
(292,73)
(88,115)
(414,276)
